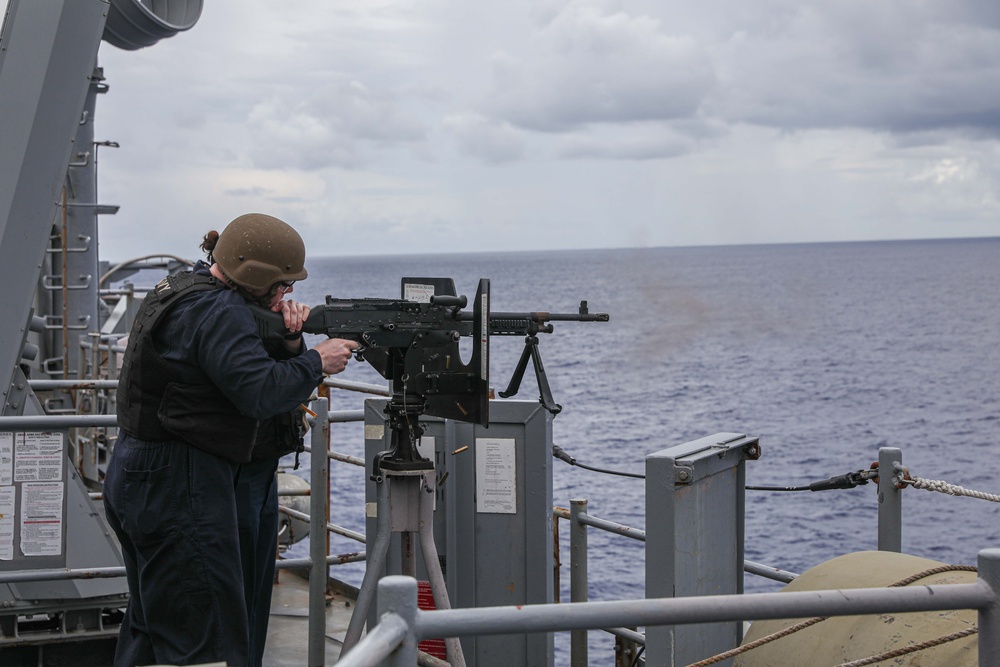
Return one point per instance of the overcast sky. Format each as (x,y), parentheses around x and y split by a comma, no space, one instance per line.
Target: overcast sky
(383,127)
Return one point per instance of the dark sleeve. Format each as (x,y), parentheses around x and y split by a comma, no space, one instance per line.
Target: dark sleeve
(235,360)
(283,433)
(277,350)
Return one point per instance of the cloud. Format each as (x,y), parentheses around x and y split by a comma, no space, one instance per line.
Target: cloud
(485,138)
(587,66)
(892,66)
(332,126)
(254,191)
(644,144)
(559,123)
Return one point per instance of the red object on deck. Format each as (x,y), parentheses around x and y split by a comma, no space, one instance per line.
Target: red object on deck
(425,601)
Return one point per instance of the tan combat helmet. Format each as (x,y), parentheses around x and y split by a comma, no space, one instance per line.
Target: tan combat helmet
(256,251)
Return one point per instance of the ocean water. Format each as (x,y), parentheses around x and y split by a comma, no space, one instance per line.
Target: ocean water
(826,352)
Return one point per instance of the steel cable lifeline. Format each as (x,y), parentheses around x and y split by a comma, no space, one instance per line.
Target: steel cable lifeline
(774,636)
(845,481)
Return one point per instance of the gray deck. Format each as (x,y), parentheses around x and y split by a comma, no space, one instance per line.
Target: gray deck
(288,632)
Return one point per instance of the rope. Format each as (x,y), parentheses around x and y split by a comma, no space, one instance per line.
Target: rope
(951,489)
(759,642)
(910,649)
(934,570)
(792,629)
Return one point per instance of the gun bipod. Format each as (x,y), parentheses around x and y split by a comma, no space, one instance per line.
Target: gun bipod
(532,352)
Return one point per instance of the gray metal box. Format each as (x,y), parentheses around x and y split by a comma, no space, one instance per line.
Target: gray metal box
(694,539)
(493,518)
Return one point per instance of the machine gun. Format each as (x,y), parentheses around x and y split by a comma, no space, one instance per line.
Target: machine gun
(414,343)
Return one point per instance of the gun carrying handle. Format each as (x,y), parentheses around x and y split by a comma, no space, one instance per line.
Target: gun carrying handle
(448,300)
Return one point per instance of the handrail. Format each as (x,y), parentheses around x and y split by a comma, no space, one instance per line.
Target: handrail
(769,572)
(759,569)
(941,597)
(379,643)
(578,519)
(295,563)
(48,385)
(406,624)
(330,527)
(52,422)
(45,384)
(703,609)
(612,527)
(57,574)
(362,387)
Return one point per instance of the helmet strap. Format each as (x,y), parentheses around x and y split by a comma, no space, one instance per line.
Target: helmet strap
(262,301)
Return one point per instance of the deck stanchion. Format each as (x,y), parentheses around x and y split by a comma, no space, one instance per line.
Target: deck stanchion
(369,584)
(989,616)
(318,569)
(890,501)
(397,595)
(578,577)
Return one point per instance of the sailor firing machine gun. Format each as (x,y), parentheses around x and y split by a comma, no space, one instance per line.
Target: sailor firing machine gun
(414,343)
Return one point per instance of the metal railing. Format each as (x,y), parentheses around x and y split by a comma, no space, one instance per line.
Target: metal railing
(401,625)
(579,519)
(319,559)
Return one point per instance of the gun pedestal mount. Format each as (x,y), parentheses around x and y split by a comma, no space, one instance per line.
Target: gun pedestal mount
(406,484)
(403,415)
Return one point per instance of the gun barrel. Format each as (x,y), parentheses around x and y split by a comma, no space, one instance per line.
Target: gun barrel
(530,323)
(577,317)
(541,316)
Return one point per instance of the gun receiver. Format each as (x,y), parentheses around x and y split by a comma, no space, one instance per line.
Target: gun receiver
(414,343)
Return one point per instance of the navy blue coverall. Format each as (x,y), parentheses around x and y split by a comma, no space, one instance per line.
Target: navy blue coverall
(257,515)
(173,505)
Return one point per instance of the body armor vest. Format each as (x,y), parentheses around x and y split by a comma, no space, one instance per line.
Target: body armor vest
(153,405)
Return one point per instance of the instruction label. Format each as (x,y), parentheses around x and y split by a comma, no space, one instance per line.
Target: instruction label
(7,496)
(32,494)
(38,457)
(418,293)
(6,459)
(496,476)
(41,518)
